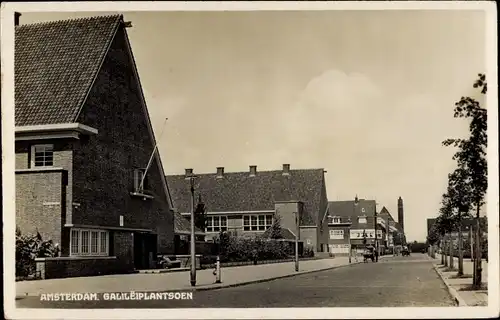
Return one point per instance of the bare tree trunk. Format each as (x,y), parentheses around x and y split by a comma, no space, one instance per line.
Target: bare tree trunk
(441,245)
(446,251)
(478,276)
(460,251)
(451,251)
(471,237)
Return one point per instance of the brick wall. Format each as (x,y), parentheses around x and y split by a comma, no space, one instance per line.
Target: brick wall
(286,210)
(63,158)
(104,164)
(63,267)
(122,247)
(323,233)
(311,234)
(39,198)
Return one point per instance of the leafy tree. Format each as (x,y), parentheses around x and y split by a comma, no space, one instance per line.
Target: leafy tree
(275,229)
(200,217)
(458,193)
(471,156)
(447,223)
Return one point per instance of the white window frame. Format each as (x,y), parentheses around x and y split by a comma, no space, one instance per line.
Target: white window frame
(362,219)
(336,220)
(33,152)
(336,233)
(248,226)
(102,247)
(211,227)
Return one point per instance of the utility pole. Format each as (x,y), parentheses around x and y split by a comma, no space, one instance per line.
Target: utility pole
(297,242)
(376,241)
(193,238)
(349,238)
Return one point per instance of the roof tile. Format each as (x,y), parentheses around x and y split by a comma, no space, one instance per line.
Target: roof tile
(238,191)
(55,65)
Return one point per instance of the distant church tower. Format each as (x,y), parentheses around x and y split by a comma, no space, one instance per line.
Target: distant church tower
(401,214)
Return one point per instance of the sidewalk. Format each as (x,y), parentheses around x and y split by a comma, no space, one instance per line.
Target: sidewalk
(456,285)
(177,281)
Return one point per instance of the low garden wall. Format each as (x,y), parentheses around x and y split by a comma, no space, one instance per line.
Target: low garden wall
(208,265)
(65,267)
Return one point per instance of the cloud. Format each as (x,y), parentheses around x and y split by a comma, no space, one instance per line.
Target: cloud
(336,90)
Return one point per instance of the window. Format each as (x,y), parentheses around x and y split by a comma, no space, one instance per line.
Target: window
(138,179)
(336,220)
(93,242)
(260,222)
(85,242)
(336,234)
(362,209)
(216,223)
(362,220)
(42,155)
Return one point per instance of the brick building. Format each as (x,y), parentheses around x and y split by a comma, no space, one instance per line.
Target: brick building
(83,139)
(245,203)
(352,221)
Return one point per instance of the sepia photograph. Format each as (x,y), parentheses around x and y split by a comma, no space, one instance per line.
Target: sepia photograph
(250,160)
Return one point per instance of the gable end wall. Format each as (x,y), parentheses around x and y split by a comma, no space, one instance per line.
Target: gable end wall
(104,164)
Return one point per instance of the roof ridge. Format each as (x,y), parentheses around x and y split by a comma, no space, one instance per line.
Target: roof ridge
(235,172)
(98,67)
(81,19)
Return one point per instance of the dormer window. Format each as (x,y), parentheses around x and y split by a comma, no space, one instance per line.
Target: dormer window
(42,155)
(362,219)
(336,220)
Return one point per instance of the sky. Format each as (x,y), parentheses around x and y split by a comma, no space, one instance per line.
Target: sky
(366,95)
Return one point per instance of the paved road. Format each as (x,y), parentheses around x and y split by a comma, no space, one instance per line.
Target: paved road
(392,282)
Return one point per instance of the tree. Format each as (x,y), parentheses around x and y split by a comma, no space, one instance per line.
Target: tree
(471,156)
(458,194)
(447,224)
(275,229)
(200,216)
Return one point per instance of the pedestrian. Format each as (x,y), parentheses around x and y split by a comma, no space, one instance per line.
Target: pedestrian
(255,256)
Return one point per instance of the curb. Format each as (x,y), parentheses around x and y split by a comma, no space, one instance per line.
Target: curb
(452,291)
(221,286)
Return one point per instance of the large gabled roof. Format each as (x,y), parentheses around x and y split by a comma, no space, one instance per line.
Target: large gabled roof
(238,191)
(55,66)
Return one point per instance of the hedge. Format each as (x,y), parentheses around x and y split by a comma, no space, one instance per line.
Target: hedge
(238,249)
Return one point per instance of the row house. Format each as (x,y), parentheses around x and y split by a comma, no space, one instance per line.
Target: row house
(246,203)
(353,221)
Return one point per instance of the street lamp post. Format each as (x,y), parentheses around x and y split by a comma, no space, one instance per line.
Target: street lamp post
(349,238)
(193,239)
(376,241)
(297,242)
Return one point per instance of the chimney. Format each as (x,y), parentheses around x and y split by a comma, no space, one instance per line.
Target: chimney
(17,15)
(220,172)
(286,169)
(189,173)
(253,171)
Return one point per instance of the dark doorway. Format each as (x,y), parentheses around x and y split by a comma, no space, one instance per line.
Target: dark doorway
(144,250)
